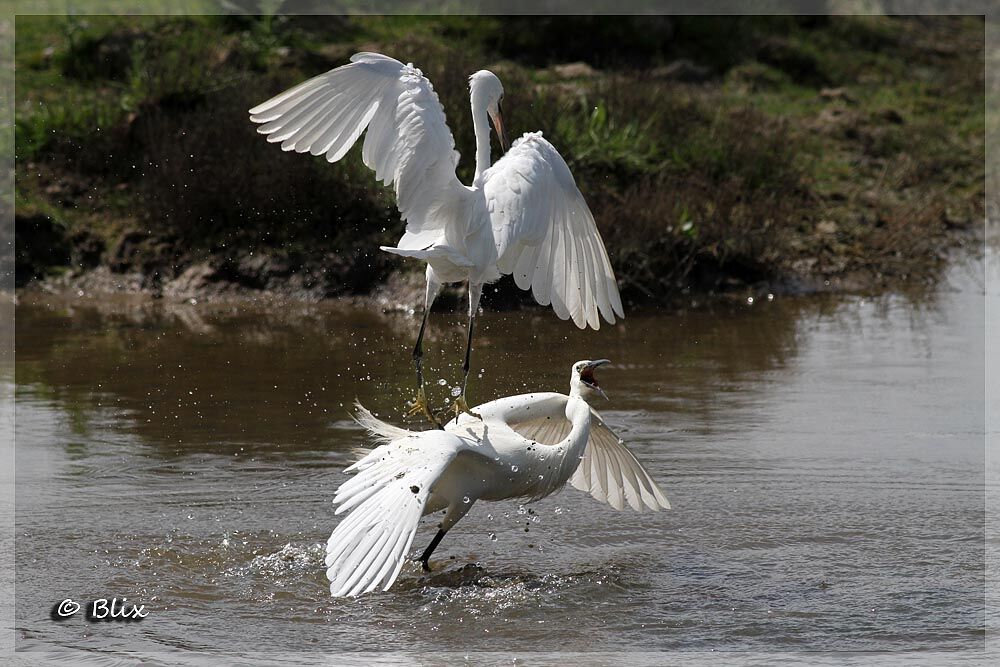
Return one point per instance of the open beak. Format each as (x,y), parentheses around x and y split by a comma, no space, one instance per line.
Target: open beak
(497,119)
(587,376)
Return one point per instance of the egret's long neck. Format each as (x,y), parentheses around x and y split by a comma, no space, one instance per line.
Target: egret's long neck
(481,123)
(557,463)
(578,413)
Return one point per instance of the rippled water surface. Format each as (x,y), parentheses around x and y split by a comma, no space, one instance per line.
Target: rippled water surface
(824,458)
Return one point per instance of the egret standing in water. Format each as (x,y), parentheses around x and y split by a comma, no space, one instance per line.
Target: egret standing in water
(526,446)
(523,216)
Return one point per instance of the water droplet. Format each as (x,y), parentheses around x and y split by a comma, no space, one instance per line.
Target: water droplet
(770,297)
(489,517)
(749,300)
(493,537)
(442,382)
(521,510)
(456,392)
(513,468)
(465,499)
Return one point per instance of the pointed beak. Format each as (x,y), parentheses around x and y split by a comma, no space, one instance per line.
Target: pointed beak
(497,119)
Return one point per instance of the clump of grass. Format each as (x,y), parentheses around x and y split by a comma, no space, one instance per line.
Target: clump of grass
(713,218)
(64,126)
(604,143)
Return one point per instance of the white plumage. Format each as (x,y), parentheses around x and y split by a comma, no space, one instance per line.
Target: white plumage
(546,235)
(526,446)
(523,216)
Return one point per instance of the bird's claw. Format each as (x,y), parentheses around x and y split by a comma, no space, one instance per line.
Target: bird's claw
(424,562)
(419,406)
(460,407)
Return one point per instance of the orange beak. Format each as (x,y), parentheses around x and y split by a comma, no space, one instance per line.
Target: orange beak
(497,119)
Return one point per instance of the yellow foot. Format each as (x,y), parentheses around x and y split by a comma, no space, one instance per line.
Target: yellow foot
(461,407)
(419,406)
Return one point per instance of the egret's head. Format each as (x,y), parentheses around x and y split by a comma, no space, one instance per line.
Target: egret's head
(582,382)
(486,90)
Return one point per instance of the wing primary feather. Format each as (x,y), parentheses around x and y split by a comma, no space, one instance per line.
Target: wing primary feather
(327,114)
(298,109)
(364,578)
(338,149)
(546,235)
(596,274)
(287,129)
(576,279)
(362,556)
(331,129)
(612,474)
(615,481)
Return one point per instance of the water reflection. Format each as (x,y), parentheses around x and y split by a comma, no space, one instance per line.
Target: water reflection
(218,377)
(823,455)
(280,377)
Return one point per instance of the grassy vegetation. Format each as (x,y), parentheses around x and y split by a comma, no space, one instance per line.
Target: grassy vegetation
(716,153)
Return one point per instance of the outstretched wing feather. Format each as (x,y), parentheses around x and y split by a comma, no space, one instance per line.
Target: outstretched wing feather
(408,144)
(386,499)
(546,235)
(611,473)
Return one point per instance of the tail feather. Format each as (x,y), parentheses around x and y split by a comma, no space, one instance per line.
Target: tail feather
(381,431)
(436,252)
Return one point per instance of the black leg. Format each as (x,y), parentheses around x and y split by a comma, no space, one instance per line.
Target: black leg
(430,549)
(466,365)
(418,350)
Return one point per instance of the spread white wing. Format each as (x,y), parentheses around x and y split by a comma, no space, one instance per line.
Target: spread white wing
(608,470)
(546,235)
(610,473)
(386,500)
(408,142)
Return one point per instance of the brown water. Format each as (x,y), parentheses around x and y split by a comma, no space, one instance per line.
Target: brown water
(824,458)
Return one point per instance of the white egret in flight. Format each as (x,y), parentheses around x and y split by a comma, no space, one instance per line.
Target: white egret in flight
(523,216)
(526,446)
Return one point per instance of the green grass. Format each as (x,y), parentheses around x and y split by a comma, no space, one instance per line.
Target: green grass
(139,123)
